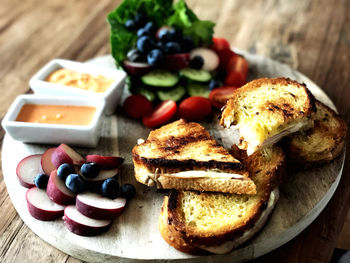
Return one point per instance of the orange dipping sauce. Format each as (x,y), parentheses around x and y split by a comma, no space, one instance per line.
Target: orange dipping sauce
(56,114)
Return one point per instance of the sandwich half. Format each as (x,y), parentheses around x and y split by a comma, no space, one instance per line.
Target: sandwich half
(182,155)
(264,110)
(196,223)
(320,144)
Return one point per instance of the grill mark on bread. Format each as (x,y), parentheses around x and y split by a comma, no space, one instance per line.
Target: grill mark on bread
(175,144)
(189,164)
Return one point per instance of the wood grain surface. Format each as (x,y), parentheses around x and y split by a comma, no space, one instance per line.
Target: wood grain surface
(311,36)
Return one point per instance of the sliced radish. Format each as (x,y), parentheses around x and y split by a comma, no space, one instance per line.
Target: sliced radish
(58,192)
(41,207)
(211,59)
(82,225)
(46,163)
(65,154)
(177,61)
(94,184)
(27,169)
(136,68)
(105,162)
(98,207)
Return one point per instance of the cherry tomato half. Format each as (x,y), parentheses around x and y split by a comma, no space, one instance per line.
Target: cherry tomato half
(136,106)
(235,78)
(219,96)
(222,48)
(220,43)
(237,63)
(195,108)
(163,113)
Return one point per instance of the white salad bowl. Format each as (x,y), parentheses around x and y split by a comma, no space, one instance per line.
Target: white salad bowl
(111,95)
(79,135)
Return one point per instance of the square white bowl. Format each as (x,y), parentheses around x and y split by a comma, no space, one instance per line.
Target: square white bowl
(111,95)
(79,135)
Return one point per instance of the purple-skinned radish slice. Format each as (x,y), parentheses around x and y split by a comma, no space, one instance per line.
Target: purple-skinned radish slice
(41,207)
(28,168)
(211,59)
(82,225)
(98,207)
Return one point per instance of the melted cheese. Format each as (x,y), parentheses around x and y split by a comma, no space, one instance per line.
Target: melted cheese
(204,174)
(234,133)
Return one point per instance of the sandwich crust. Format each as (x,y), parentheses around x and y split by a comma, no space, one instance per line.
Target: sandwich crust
(320,144)
(210,219)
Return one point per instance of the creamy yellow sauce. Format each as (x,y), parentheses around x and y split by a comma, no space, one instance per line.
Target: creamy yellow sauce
(56,114)
(79,80)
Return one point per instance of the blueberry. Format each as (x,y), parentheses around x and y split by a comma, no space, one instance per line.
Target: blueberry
(150,27)
(160,46)
(155,57)
(174,34)
(197,62)
(41,180)
(130,25)
(64,170)
(110,188)
(172,48)
(75,183)
(145,44)
(134,55)
(90,170)
(164,35)
(142,32)
(187,44)
(214,83)
(127,191)
(140,20)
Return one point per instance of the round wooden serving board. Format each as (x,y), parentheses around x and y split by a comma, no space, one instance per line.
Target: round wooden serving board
(135,235)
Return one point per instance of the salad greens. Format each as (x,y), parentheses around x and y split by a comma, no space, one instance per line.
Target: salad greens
(160,12)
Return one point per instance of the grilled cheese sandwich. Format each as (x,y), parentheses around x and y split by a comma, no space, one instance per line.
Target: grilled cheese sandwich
(182,155)
(263,111)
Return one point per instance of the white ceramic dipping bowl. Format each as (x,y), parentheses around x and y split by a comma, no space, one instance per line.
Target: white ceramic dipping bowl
(111,95)
(79,135)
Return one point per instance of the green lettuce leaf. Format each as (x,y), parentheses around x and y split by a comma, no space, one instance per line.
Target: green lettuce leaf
(161,12)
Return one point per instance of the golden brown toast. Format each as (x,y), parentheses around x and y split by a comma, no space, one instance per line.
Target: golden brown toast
(265,110)
(192,222)
(183,155)
(320,144)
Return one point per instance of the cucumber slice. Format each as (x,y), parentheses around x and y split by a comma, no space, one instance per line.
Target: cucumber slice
(150,95)
(173,94)
(196,74)
(195,89)
(160,78)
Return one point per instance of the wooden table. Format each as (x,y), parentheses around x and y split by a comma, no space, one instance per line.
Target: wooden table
(310,36)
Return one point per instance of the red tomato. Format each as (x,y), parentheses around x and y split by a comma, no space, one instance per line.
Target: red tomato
(222,48)
(220,43)
(235,78)
(161,114)
(195,108)
(136,106)
(219,96)
(237,63)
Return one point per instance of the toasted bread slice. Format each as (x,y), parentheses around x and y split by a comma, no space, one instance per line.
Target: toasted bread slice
(183,155)
(265,110)
(320,144)
(192,222)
